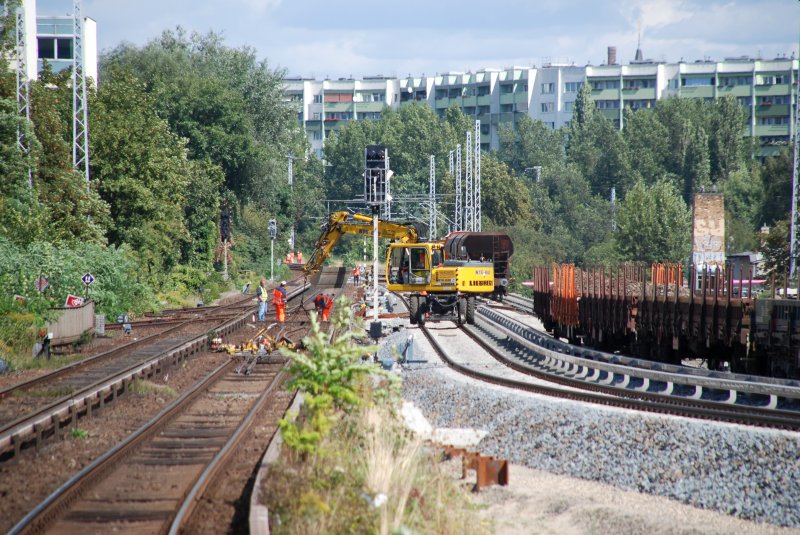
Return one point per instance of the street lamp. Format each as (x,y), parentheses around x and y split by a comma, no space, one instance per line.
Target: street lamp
(273,231)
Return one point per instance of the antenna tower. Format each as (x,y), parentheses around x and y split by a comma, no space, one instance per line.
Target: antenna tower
(476,214)
(80,119)
(23,87)
(469,207)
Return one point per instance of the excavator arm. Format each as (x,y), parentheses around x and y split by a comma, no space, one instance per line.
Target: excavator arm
(341,223)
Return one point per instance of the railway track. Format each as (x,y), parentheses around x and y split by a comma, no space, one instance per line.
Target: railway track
(568,379)
(152,481)
(49,406)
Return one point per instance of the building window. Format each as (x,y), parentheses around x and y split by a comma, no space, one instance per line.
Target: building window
(645,104)
(485,129)
(506,108)
(572,87)
(548,107)
(339,116)
(506,89)
(773,120)
(369,115)
(731,81)
(441,93)
(607,104)
(744,101)
(483,90)
(317,116)
(317,99)
(693,82)
(639,83)
(605,84)
(548,89)
(455,92)
(568,105)
(55,48)
(551,125)
(316,135)
(483,110)
(771,79)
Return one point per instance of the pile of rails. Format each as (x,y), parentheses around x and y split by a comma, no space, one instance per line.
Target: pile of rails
(652,312)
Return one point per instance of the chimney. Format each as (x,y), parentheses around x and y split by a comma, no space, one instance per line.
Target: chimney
(612,55)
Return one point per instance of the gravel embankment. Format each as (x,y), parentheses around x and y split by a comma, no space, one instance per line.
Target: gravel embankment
(743,472)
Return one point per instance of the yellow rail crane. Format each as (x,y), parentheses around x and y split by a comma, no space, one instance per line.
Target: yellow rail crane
(437,286)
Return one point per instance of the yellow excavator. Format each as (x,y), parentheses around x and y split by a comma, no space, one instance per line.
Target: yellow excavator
(438,286)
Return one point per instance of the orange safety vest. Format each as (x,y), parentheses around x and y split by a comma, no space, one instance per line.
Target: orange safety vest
(277,297)
(299,257)
(356,272)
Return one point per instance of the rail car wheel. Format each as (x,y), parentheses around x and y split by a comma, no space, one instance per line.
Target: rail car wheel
(461,311)
(413,308)
(471,310)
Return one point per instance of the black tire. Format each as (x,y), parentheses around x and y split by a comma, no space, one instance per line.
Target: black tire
(471,310)
(413,309)
(461,311)
(423,308)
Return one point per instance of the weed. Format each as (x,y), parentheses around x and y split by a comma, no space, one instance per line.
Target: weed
(144,388)
(79,433)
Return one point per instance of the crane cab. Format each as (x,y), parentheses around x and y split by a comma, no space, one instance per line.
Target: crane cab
(415,267)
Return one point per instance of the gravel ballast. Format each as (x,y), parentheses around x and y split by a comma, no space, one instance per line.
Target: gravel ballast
(744,472)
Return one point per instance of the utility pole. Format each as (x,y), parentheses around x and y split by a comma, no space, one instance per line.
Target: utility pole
(273,232)
(291,187)
(376,194)
(432,199)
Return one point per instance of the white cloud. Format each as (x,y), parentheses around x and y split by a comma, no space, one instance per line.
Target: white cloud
(260,6)
(655,13)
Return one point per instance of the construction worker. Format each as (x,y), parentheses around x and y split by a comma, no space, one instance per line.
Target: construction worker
(328,305)
(279,300)
(356,275)
(299,257)
(319,303)
(288,259)
(262,296)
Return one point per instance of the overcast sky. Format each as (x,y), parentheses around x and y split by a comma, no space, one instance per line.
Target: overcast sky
(337,38)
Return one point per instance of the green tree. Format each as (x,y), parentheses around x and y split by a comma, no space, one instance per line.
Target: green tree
(775,249)
(647,142)
(777,177)
(727,145)
(654,224)
(505,201)
(75,212)
(143,173)
(528,143)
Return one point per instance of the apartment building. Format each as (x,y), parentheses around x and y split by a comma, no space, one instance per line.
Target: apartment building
(51,39)
(500,96)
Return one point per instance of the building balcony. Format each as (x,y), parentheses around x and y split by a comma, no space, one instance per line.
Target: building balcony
(605,94)
(470,102)
(645,93)
(507,98)
(772,130)
(610,114)
(735,90)
(369,106)
(772,90)
(339,106)
(485,100)
(772,110)
(700,91)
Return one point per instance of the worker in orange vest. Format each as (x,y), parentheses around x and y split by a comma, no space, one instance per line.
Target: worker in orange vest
(327,306)
(288,259)
(299,257)
(279,301)
(356,276)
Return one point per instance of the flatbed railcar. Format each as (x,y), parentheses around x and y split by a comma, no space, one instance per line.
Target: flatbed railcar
(651,312)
